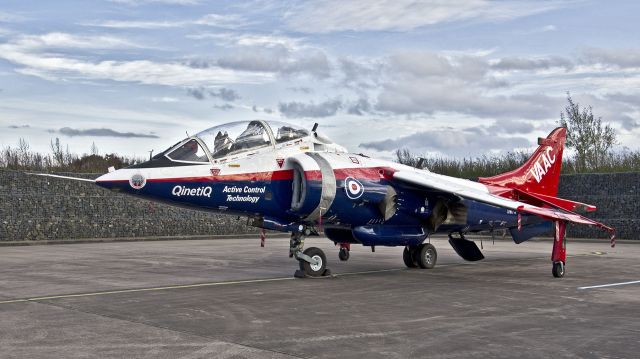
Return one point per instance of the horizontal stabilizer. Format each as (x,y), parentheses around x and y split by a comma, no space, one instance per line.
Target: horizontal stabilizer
(466,249)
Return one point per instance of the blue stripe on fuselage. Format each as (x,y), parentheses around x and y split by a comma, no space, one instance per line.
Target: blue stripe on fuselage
(273,198)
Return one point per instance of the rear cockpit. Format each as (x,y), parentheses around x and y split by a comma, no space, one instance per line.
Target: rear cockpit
(240,139)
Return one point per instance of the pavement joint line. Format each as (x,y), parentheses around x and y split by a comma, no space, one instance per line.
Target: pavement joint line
(609,285)
(214,284)
(183,286)
(137,290)
(155,325)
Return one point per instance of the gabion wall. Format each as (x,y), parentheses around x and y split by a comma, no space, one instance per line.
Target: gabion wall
(37,208)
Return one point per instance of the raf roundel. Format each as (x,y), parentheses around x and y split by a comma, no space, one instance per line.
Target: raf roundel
(137,181)
(353,188)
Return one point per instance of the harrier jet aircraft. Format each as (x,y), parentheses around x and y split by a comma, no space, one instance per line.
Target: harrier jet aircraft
(289,179)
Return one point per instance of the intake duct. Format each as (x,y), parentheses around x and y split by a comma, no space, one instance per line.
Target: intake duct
(313,186)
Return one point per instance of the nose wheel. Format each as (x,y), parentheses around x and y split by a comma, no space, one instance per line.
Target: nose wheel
(312,261)
(317,265)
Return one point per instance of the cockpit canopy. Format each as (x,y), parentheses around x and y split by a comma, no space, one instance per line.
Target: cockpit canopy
(235,138)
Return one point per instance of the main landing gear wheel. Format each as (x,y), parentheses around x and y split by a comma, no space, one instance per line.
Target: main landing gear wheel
(558,269)
(407,257)
(426,256)
(319,265)
(343,254)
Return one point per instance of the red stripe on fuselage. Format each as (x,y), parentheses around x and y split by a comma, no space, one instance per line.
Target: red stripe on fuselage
(363,173)
(256,176)
(369,173)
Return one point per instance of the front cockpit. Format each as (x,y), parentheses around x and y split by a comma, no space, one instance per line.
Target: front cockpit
(239,139)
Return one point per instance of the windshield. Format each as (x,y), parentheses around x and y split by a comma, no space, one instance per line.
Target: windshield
(235,137)
(190,151)
(284,132)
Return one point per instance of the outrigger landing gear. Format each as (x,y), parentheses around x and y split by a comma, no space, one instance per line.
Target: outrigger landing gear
(559,254)
(423,256)
(343,253)
(313,262)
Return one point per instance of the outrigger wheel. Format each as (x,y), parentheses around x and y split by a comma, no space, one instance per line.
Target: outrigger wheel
(558,269)
(343,254)
(318,267)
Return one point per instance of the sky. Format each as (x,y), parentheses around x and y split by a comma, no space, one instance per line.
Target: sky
(440,78)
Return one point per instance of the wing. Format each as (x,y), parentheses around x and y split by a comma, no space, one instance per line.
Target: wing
(479,192)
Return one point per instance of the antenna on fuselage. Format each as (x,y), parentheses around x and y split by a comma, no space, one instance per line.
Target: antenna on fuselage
(187,133)
(315,127)
(150,155)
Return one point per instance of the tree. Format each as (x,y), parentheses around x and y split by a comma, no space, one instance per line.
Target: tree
(405,157)
(586,134)
(58,154)
(94,149)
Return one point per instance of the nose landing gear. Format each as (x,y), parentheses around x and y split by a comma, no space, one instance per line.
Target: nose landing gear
(313,262)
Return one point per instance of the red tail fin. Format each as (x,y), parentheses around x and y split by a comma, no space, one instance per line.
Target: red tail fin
(541,173)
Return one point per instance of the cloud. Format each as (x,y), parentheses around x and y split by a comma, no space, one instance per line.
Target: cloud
(428,64)
(197,93)
(424,82)
(511,127)
(18,126)
(629,123)
(469,142)
(255,108)
(624,58)
(166,2)
(301,110)
(137,24)
(225,107)
(165,99)
(34,56)
(10,17)
(102,132)
(252,40)
(523,63)
(359,107)
(404,98)
(325,16)
(277,59)
(618,107)
(59,40)
(200,93)
(360,75)
(225,94)
(301,89)
(547,28)
(224,21)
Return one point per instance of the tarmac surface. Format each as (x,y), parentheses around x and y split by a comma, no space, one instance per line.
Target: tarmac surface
(229,298)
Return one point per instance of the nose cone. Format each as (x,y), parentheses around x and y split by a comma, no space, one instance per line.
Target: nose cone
(121,180)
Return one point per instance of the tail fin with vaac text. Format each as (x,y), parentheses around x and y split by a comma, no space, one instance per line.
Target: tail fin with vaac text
(541,172)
